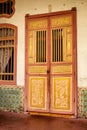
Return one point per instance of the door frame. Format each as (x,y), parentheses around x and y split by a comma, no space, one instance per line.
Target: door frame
(74,41)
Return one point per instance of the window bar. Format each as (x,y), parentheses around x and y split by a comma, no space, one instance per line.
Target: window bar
(36,46)
(9,6)
(3,8)
(45,46)
(6,8)
(40,45)
(56,44)
(11,61)
(61,46)
(52,47)
(2,58)
(4,61)
(8,67)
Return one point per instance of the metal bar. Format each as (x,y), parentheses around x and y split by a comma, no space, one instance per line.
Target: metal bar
(61,47)
(7,65)
(9,6)
(36,46)
(42,47)
(3,8)
(39,47)
(56,44)
(10,65)
(45,46)
(52,45)
(6,8)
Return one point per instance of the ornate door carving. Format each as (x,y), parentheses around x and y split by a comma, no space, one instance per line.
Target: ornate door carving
(51,63)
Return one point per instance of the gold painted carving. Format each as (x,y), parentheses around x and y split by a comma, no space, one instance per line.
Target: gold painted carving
(61,21)
(62,93)
(37,24)
(31,47)
(37,69)
(37,92)
(69,46)
(62,69)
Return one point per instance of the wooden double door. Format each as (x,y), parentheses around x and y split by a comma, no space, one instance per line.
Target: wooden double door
(51,63)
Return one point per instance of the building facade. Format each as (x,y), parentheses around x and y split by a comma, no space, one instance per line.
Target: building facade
(16,73)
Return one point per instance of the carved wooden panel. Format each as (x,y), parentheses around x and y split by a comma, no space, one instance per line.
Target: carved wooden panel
(37,70)
(37,24)
(38,93)
(61,21)
(61,93)
(62,69)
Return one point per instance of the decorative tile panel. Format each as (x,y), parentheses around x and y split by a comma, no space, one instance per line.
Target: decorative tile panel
(82,102)
(11,98)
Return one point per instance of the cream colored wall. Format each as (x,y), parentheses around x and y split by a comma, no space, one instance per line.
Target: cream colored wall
(23,7)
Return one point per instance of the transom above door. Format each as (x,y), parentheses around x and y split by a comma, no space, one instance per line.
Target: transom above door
(51,63)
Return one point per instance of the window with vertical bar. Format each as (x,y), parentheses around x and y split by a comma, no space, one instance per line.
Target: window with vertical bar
(57,45)
(41,46)
(6,8)
(7,53)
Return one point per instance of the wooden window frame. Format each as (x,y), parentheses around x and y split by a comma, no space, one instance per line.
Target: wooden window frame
(14,81)
(13,9)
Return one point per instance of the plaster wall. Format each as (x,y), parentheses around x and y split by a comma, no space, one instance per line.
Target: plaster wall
(23,7)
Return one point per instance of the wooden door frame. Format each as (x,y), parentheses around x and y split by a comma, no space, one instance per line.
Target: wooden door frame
(74,41)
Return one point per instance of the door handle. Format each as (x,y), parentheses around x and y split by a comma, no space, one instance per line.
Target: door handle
(48,71)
